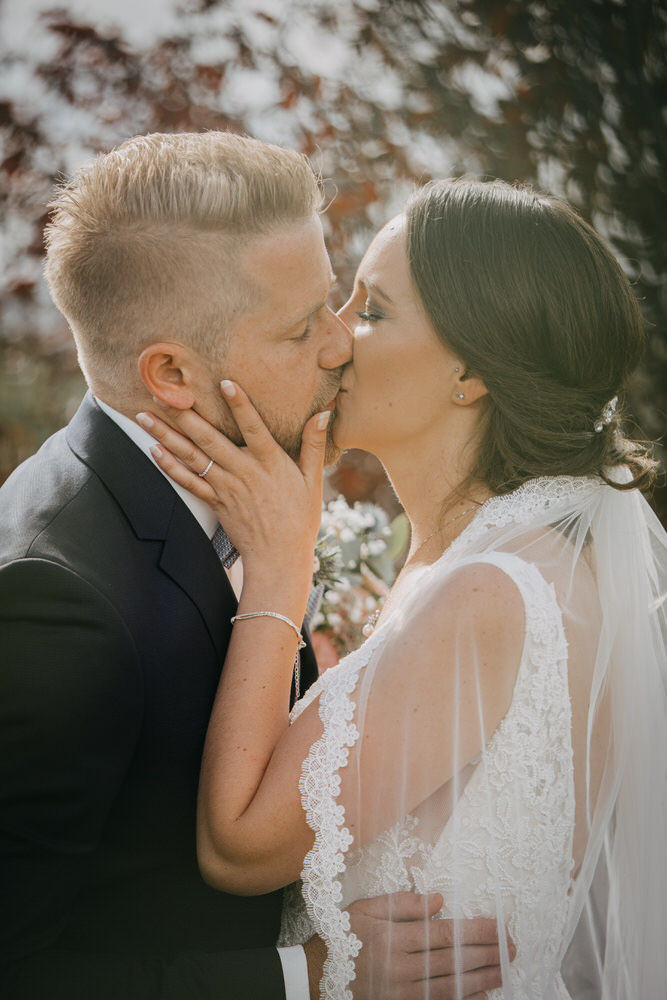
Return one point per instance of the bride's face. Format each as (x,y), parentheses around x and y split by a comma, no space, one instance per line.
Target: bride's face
(401,377)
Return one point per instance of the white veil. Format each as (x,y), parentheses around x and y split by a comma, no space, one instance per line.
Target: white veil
(559,777)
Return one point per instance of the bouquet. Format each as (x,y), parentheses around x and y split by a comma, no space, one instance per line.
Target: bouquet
(356,559)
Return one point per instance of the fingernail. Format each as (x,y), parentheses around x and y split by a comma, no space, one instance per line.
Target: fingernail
(156,451)
(323,419)
(145,420)
(228,388)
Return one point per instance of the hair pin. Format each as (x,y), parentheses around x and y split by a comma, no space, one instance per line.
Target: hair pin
(607,415)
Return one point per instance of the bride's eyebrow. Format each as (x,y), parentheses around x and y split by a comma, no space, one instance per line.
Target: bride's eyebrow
(370,286)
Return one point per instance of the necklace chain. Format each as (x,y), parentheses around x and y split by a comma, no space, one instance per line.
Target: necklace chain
(440,528)
(372,620)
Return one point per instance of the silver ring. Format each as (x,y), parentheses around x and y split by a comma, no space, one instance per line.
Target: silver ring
(202,475)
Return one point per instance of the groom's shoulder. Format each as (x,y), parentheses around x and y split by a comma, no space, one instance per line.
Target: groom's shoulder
(49,491)
(42,480)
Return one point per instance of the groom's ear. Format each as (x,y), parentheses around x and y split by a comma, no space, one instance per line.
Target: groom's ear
(168,372)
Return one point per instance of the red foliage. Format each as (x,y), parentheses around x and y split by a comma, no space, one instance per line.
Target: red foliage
(587,91)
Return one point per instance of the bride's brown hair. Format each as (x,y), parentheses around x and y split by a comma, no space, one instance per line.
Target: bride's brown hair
(525,292)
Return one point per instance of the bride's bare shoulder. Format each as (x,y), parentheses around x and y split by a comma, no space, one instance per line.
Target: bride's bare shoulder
(477,594)
(467,622)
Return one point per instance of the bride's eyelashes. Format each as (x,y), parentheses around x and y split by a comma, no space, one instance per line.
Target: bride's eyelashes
(370,314)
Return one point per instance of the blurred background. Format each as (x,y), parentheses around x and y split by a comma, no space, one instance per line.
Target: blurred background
(569,95)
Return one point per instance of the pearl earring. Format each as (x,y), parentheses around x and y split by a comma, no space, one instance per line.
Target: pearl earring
(457,370)
(460,395)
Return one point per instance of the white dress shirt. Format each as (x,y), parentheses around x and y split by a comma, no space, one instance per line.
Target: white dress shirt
(295,968)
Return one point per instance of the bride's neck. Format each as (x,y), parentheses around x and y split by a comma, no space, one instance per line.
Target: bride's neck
(432,492)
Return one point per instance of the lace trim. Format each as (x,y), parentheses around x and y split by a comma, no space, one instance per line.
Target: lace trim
(320,788)
(532,497)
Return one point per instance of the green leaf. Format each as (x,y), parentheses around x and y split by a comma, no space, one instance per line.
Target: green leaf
(399,538)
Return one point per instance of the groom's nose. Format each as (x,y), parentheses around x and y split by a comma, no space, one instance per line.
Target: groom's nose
(337,347)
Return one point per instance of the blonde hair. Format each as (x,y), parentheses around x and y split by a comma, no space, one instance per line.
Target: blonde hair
(143,243)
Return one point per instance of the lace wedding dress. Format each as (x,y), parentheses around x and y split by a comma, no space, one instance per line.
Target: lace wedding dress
(505,850)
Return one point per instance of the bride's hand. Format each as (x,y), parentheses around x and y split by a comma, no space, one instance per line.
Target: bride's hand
(269,505)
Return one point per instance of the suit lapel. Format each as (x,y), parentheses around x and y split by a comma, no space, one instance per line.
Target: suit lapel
(156,512)
(189,559)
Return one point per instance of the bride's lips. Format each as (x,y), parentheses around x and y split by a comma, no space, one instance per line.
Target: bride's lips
(339,395)
(334,401)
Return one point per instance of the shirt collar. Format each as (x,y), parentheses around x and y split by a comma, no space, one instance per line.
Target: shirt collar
(199,509)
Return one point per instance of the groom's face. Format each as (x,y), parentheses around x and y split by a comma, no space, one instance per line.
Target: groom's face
(287,352)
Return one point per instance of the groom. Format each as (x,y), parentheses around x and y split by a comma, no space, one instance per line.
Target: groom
(172,260)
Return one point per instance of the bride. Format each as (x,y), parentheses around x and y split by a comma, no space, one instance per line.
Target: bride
(501,734)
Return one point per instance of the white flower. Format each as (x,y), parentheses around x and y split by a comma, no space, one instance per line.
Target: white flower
(366,545)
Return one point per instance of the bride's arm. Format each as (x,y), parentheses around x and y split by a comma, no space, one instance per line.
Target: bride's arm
(271,508)
(252,830)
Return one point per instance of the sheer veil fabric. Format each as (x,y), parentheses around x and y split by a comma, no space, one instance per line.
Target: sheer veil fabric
(429,775)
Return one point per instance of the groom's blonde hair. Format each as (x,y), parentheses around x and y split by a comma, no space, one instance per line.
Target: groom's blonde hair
(143,244)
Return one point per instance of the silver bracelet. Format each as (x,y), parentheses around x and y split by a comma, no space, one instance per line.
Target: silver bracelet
(272,614)
(301,644)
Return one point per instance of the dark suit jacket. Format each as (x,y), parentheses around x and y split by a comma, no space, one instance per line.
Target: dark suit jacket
(114,622)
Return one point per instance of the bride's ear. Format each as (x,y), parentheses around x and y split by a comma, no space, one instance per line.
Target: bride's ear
(168,372)
(468,388)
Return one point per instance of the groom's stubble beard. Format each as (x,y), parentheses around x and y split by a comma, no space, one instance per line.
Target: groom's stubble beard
(286,432)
